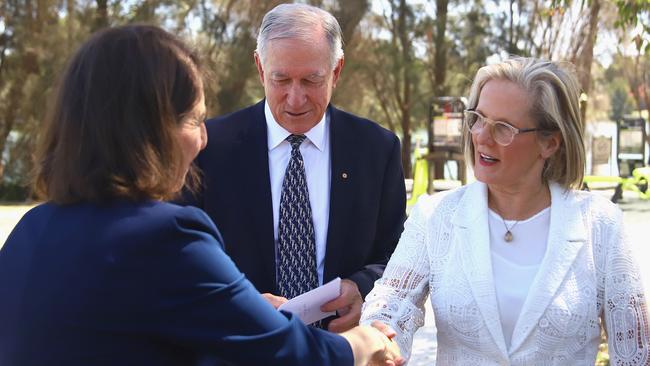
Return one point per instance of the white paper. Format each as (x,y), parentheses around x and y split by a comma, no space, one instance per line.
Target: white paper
(307,306)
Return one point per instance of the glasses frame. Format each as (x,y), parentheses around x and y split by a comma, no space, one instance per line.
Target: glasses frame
(492,123)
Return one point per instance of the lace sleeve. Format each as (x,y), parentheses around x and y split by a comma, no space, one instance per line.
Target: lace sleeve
(625,310)
(397,298)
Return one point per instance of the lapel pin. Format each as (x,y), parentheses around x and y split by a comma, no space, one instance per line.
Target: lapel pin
(344,175)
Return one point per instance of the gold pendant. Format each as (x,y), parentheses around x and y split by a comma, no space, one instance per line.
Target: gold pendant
(508,236)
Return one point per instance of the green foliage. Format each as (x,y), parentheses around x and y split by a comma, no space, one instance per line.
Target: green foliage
(12,192)
(390,75)
(602,358)
(631,11)
(469,49)
(633,14)
(621,103)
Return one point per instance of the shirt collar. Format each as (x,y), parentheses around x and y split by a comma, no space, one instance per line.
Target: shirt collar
(276,133)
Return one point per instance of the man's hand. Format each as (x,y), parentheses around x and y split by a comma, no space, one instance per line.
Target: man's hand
(348,306)
(276,301)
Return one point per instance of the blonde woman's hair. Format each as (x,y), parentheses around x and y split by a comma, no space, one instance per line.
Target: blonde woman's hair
(554,94)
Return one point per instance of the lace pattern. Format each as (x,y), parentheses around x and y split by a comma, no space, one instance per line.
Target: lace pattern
(624,302)
(589,281)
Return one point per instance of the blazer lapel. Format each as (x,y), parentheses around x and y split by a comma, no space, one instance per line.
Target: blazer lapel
(471,222)
(340,190)
(566,236)
(255,186)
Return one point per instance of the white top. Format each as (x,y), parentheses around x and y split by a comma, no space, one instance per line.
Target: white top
(315,152)
(588,279)
(516,263)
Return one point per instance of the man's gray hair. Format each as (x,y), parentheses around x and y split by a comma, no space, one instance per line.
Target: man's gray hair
(298,21)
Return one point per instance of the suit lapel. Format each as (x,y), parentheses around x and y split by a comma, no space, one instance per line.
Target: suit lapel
(567,235)
(471,222)
(341,189)
(255,187)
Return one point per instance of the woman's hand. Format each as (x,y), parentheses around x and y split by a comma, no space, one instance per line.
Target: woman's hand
(274,300)
(373,345)
(391,351)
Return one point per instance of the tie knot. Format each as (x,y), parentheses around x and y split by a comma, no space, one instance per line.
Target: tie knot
(295,141)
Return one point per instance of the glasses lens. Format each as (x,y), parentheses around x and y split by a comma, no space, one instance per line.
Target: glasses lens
(503,134)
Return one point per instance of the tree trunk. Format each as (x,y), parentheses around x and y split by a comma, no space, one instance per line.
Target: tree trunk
(3,54)
(406,144)
(9,118)
(511,29)
(69,21)
(101,16)
(646,97)
(586,56)
(440,58)
(407,84)
(383,100)
(349,15)
(440,73)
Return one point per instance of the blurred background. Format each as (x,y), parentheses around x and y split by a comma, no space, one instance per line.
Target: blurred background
(401,57)
(408,66)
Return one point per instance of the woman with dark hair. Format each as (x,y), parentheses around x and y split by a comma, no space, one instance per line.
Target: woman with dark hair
(107,273)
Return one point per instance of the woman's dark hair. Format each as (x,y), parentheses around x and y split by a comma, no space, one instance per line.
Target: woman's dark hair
(110,132)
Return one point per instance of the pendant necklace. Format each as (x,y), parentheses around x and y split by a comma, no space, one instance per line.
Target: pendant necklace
(508,236)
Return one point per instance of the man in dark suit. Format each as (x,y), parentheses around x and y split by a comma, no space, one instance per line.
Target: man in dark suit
(301,191)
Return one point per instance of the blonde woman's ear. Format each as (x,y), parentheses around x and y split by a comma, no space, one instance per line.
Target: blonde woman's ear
(550,144)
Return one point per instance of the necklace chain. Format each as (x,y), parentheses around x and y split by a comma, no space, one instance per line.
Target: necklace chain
(508,236)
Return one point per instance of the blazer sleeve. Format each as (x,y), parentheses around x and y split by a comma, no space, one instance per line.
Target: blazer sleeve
(202,301)
(625,305)
(390,221)
(399,295)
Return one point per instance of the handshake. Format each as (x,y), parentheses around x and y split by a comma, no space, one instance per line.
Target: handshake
(371,345)
(374,345)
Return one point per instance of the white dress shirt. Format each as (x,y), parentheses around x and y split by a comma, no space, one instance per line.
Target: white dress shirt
(315,152)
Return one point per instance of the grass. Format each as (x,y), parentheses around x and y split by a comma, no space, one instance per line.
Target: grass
(603,357)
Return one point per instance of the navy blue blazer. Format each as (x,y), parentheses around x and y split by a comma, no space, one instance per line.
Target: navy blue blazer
(139,284)
(367,203)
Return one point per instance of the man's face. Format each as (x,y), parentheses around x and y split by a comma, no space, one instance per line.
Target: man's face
(298,81)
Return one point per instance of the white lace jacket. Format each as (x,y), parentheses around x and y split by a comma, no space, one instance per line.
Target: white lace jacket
(587,278)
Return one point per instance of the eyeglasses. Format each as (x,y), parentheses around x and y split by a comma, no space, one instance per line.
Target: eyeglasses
(503,133)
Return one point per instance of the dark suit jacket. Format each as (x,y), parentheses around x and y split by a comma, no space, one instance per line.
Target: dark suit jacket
(139,284)
(367,196)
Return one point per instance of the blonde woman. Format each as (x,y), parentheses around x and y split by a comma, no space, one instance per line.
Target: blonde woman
(520,267)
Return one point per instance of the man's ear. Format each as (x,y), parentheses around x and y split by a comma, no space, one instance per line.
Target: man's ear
(260,69)
(550,144)
(337,71)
